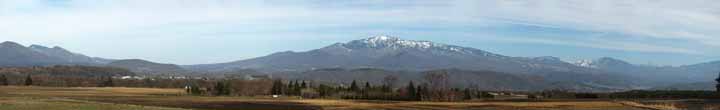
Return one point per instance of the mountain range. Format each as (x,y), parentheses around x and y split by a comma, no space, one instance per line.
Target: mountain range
(392,53)
(386,55)
(702,72)
(14,54)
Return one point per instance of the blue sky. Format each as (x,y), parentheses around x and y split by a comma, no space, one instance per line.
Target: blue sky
(658,32)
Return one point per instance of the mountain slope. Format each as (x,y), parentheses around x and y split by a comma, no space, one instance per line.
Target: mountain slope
(704,86)
(657,76)
(396,54)
(67,55)
(390,53)
(147,67)
(14,54)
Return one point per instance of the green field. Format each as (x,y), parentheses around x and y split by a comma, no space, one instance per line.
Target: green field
(50,98)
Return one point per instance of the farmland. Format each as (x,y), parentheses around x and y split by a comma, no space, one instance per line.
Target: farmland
(118,98)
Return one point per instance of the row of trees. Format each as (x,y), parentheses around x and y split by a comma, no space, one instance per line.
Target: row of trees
(435,88)
(28,81)
(229,87)
(80,76)
(5,82)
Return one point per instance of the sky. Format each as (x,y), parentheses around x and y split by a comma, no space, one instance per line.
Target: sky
(654,32)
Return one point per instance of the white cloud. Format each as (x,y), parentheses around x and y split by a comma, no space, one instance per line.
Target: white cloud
(695,21)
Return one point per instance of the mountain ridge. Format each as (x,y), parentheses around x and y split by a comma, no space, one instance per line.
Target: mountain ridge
(663,75)
(395,54)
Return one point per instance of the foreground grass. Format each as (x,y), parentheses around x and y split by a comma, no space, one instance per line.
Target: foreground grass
(26,103)
(569,105)
(50,98)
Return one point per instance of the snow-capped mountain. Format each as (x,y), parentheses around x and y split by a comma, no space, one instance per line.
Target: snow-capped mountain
(388,43)
(386,52)
(604,62)
(393,53)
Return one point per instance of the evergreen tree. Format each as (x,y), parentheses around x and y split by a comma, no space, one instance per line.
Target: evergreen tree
(108,83)
(354,87)
(297,88)
(195,90)
(277,87)
(291,85)
(221,89)
(367,86)
(303,85)
(412,91)
(424,92)
(717,86)
(468,94)
(324,90)
(3,81)
(28,81)
(386,88)
(291,88)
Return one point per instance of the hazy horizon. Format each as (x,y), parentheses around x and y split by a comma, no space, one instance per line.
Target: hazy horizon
(201,32)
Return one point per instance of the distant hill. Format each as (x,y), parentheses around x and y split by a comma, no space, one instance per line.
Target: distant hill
(15,55)
(147,67)
(660,75)
(66,71)
(707,86)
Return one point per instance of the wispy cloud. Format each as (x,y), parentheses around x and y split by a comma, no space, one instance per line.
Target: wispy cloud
(641,23)
(693,20)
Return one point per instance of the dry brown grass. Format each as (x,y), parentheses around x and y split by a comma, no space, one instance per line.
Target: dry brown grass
(174,98)
(354,104)
(650,106)
(85,91)
(27,103)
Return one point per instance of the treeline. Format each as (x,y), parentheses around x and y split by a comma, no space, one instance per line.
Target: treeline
(80,76)
(634,94)
(67,71)
(59,76)
(435,87)
(229,87)
(665,94)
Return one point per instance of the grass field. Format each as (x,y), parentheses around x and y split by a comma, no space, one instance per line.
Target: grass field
(50,98)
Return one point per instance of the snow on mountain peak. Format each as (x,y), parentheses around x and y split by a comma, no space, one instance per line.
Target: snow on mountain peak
(394,42)
(382,38)
(585,63)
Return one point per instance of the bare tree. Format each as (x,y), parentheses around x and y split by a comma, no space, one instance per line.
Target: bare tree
(438,80)
(438,85)
(717,86)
